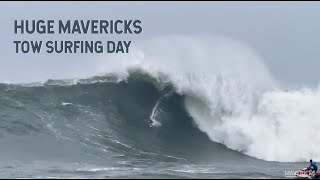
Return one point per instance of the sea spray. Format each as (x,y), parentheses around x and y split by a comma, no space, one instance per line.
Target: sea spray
(232,96)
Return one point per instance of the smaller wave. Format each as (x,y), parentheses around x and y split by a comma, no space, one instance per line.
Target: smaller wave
(65,104)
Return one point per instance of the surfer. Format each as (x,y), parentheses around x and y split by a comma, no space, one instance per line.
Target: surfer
(150,123)
(313,167)
(309,172)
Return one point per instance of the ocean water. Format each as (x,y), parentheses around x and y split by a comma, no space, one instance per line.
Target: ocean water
(205,112)
(101,129)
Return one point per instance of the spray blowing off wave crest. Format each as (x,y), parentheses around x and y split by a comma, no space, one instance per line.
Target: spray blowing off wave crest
(230,95)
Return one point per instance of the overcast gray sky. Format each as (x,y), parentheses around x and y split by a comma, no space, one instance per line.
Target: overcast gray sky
(285,34)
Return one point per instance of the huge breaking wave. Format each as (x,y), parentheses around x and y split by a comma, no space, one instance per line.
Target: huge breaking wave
(222,87)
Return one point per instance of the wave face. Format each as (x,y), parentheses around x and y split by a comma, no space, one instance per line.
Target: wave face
(104,120)
(199,95)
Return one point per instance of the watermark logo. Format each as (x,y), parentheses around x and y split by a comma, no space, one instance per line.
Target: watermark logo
(304,173)
(289,174)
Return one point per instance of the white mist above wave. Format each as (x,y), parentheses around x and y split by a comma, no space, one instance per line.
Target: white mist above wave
(231,95)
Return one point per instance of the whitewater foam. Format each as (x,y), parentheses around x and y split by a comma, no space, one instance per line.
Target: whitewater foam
(231,95)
